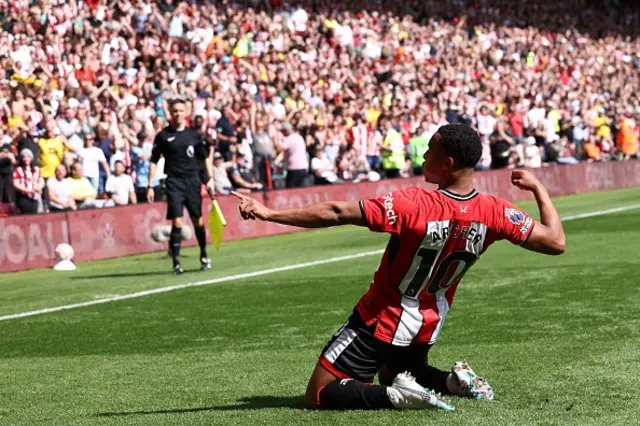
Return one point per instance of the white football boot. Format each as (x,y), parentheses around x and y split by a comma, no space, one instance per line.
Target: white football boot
(469,384)
(406,393)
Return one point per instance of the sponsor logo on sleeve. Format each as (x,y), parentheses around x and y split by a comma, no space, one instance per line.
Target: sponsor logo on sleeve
(527,224)
(518,218)
(392,217)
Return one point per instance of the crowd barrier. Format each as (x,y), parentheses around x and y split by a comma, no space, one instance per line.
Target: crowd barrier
(28,242)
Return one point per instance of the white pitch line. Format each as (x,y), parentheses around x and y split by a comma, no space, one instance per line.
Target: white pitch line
(256,273)
(193,284)
(601,212)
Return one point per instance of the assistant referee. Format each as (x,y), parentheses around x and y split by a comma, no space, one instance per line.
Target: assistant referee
(186,156)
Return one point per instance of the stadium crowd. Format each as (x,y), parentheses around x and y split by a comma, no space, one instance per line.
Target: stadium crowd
(305,92)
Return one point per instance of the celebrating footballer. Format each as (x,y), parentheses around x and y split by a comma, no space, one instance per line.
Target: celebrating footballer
(435,237)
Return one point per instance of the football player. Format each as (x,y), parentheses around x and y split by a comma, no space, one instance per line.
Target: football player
(435,237)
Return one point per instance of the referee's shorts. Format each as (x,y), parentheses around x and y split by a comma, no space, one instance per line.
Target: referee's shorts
(181,193)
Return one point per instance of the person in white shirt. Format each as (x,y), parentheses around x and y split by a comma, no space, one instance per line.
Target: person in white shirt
(92,159)
(120,186)
(532,157)
(59,191)
(534,116)
(323,168)
(486,122)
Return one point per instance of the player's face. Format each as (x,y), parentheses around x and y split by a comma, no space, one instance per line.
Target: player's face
(178,114)
(436,164)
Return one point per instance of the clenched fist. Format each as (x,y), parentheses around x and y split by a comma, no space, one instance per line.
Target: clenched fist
(524,179)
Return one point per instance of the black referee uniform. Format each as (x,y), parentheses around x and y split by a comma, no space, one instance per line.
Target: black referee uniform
(184,152)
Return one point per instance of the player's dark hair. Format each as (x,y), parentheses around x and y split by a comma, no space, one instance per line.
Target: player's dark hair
(461,143)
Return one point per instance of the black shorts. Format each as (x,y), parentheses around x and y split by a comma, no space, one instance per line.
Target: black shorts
(181,193)
(354,353)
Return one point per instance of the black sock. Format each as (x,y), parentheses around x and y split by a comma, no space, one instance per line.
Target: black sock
(354,395)
(432,378)
(174,244)
(201,236)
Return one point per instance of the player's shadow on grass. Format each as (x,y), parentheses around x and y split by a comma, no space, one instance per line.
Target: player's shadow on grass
(249,403)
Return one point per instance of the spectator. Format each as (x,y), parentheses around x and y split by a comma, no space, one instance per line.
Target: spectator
(579,134)
(28,183)
(532,156)
(106,144)
(263,146)
(226,133)
(120,186)
(242,176)
(418,146)
(82,192)
(71,128)
(141,160)
(93,159)
(324,170)
(59,189)
(7,163)
(392,151)
(500,152)
(374,143)
(26,138)
(221,175)
(52,149)
(627,139)
(592,150)
(516,123)
(294,152)
(602,126)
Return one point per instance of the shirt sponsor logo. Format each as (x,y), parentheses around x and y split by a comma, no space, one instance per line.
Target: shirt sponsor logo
(516,217)
(392,217)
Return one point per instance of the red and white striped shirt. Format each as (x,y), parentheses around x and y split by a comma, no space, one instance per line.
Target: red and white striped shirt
(374,142)
(27,177)
(359,139)
(436,236)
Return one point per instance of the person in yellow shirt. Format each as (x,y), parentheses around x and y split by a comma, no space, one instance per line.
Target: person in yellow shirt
(602,124)
(555,116)
(392,151)
(52,149)
(81,189)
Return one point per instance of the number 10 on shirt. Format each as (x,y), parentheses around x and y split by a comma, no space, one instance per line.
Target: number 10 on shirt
(438,276)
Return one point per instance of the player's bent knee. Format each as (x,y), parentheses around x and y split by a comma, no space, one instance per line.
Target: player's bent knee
(177,222)
(311,399)
(320,378)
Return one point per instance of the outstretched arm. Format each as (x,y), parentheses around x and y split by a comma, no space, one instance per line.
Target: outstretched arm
(547,237)
(320,215)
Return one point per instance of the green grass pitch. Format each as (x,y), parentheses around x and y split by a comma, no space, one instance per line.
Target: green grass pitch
(557,337)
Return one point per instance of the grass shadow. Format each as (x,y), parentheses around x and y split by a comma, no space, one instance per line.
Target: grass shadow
(249,403)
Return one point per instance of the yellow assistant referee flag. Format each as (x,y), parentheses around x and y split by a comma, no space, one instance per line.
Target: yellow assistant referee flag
(217,223)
